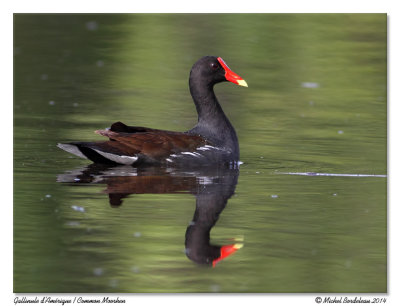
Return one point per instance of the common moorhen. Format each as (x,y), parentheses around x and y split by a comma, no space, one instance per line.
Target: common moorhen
(212,140)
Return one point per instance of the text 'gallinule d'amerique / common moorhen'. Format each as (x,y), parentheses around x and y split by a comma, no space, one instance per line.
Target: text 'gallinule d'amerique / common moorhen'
(212,141)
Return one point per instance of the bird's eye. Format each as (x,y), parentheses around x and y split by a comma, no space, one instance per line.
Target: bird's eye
(214,66)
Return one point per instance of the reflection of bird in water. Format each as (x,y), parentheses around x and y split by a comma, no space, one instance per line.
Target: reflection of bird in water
(212,188)
(212,140)
(197,242)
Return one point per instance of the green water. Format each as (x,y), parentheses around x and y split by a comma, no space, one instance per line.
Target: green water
(316,102)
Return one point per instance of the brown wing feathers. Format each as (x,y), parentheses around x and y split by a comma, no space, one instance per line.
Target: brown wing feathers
(150,144)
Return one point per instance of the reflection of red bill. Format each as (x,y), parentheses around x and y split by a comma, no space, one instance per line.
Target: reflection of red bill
(226,251)
(230,75)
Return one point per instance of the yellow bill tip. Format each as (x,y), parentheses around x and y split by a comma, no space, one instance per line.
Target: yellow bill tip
(242,83)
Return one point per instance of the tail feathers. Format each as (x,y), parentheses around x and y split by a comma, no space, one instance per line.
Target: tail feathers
(96,154)
(71,148)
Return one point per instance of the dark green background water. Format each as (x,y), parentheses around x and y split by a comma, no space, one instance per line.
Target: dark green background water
(316,102)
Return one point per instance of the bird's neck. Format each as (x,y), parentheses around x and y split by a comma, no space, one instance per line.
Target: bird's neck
(212,121)
(211,117)
(207,106)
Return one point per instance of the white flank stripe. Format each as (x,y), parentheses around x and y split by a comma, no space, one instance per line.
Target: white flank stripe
(192,154)
(211,147)
(120,159)
(202,149)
